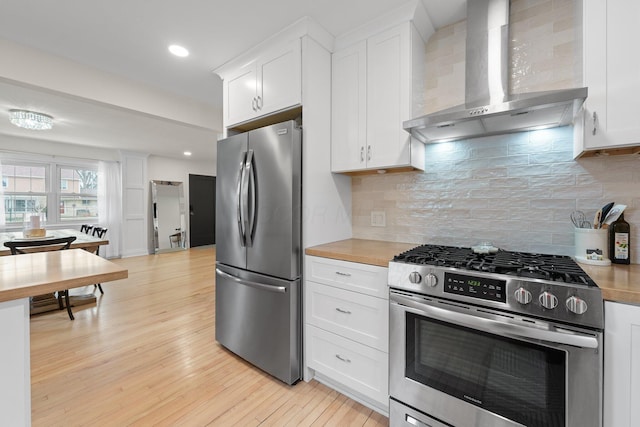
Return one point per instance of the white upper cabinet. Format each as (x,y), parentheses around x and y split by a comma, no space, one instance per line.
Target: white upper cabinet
(612,74)
(349,108)
(270,83)
(377,84)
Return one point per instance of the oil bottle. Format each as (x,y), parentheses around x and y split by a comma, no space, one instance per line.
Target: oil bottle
(619,241)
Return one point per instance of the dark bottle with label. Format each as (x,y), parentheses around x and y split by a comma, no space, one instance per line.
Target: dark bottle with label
(619,241)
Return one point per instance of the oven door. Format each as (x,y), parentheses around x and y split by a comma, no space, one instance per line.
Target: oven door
(471,366)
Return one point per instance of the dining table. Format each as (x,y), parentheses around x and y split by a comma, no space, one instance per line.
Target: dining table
(48,302)
(22,277)
(83,240)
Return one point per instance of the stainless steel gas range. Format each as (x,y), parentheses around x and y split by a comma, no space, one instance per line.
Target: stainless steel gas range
(493,339)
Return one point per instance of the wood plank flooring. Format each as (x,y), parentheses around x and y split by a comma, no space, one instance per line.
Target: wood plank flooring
(145,355)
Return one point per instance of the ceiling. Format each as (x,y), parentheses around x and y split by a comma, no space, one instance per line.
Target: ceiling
(129,38)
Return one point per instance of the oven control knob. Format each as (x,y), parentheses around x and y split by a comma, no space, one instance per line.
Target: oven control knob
(548,300)
(431,280)
(415,277)
(576,305)
(523,296)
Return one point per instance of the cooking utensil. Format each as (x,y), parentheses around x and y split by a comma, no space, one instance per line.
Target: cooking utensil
(579,219)
(605,211)
(597,218)
(614,214)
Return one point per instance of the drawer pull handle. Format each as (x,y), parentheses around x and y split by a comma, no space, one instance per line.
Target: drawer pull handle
(338,309)
(340,273)
(344,359)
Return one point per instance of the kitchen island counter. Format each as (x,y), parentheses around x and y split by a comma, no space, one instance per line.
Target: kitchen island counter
(619,283)
(22,276)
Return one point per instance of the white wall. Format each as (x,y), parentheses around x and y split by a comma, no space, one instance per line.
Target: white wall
(35,146)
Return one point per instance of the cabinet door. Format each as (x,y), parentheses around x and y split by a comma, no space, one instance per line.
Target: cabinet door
(388,97)
(612,73)
(279,78)
(621,367)
(240,94)
(349,108)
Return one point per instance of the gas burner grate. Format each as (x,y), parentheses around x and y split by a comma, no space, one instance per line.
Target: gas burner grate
(557,268)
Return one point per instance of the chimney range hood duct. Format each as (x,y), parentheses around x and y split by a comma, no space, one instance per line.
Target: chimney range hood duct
(488,108)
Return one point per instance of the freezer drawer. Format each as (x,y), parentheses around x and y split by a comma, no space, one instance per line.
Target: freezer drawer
(258,318)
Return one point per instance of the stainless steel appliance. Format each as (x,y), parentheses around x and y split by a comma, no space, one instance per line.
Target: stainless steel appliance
(258,250)
(493,339)
(489,109)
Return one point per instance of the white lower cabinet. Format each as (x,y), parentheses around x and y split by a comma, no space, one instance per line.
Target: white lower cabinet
(359,367)
(621,365)
(347,328)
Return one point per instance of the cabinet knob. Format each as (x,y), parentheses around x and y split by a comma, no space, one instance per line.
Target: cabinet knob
(254,104)
(595,123)
(362,154)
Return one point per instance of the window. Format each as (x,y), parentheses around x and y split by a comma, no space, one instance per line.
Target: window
(78,193)
(33,187)
(25,190)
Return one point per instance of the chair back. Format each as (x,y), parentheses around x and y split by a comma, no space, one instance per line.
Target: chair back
(99,232)
(86,228)
(39,245)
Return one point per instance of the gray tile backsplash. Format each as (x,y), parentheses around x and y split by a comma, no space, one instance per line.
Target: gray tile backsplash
(516,191)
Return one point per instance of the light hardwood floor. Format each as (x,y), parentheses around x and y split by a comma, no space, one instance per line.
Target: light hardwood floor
(145,355)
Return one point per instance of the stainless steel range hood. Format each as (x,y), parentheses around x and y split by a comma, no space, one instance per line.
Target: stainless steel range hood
(488,108)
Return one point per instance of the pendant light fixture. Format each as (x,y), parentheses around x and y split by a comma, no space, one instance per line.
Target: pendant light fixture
(30,120)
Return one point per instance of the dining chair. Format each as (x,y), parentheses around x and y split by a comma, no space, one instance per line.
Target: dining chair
(86,228)
(99,232)
(20,246)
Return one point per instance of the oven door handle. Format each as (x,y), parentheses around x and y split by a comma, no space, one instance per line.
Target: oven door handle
(497,327)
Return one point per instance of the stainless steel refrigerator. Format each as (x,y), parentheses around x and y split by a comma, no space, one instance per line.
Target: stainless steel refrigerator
(258,248)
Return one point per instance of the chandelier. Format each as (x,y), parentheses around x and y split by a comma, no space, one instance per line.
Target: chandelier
(30,120)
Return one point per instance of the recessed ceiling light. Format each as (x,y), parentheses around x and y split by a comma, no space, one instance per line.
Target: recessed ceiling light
(187,153)
(178,50)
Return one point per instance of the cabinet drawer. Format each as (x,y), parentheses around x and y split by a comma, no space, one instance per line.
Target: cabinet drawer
(359,317)
(364,278)
(357,366)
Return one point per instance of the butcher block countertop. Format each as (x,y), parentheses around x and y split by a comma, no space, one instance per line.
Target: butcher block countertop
(619,283)
(22,276)
(374,252)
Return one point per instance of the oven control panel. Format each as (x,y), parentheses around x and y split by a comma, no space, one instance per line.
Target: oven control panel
(477,287)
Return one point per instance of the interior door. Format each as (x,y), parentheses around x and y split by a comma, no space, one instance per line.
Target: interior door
(230,249)
(202,210)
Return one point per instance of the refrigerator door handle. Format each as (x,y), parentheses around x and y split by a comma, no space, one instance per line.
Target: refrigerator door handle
(244,196)
(261,286)
(239,199)
(251,200)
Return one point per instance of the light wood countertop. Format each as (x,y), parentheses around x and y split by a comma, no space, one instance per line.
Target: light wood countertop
(618,283)
(374,252)
(22,276)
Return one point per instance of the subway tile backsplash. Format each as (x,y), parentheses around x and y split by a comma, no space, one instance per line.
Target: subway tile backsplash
(516,191)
